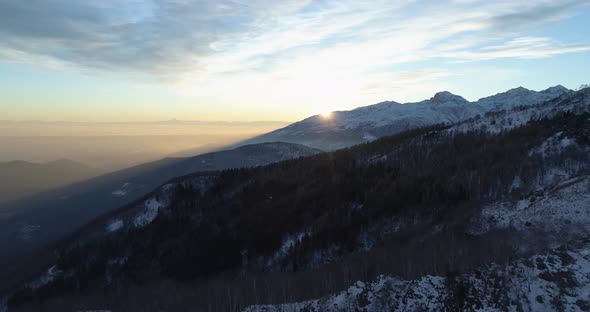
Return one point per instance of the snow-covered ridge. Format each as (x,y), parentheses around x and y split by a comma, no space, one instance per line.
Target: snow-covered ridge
(345,128)
(515,115)
(444,107)
(520,97)
(555,281)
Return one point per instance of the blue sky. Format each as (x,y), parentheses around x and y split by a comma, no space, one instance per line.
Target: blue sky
(129,60)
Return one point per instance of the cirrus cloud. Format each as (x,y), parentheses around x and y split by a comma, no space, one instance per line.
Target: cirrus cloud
(262,46)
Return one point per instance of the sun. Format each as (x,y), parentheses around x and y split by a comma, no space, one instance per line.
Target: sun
(326,114)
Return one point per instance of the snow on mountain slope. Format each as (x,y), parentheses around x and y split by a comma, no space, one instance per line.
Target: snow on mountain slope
(114,225)
(495,120)
(442,107)
(560,212)
(346,128)
(555,281)
(152,207)
(555,148)
(520,97)
(138,215)
(146,211)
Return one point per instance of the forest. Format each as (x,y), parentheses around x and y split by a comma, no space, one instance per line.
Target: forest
(217,249)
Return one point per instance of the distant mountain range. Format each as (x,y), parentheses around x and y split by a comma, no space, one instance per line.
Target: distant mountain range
(21,178)
(364,124)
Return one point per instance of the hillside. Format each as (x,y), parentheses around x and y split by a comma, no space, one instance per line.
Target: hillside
(441,200)
(46,218)
(553,281)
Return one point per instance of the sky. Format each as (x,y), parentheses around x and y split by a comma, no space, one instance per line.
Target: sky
(283,60)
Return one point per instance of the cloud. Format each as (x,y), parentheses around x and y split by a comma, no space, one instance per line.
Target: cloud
(523,47)
(533,13)
(159,36)
(275,48)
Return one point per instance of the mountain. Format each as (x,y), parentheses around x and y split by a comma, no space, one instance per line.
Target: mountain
(364,124)
(48,217)
(435,216)
(520,97)
(21,178)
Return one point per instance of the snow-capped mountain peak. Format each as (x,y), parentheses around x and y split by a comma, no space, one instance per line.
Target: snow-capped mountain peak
(557,90)
(380,105)
(447,97)
(517,90)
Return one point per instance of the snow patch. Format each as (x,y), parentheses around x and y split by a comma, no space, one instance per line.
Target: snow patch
(288,244)
(114,225)
(149,213)
(553,209)
(522,204)
(369,137)
(125,188)
(119,193)
(51,274)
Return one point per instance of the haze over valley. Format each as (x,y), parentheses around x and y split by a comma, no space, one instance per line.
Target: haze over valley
(114,146)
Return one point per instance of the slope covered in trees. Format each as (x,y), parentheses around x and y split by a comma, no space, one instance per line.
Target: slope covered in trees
(308,227)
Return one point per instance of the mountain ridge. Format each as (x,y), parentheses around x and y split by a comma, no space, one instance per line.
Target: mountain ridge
(366,123)
(431,194)
(313,212)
